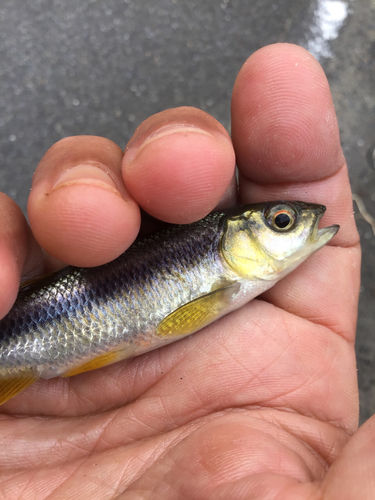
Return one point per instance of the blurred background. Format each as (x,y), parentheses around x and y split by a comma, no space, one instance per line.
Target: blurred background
(100,67)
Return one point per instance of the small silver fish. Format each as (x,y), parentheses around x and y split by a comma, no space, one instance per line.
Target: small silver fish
(164,287)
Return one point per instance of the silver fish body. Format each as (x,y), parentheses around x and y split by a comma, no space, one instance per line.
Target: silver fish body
(164,287)
(84,312)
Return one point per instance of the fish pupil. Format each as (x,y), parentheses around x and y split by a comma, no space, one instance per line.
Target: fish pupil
(282,221)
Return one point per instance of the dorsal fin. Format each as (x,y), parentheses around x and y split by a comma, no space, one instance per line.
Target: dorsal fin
(41,281)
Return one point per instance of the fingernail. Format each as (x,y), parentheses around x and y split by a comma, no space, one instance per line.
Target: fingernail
(175,128)
(86,175)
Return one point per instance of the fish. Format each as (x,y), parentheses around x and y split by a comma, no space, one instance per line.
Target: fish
(166,286)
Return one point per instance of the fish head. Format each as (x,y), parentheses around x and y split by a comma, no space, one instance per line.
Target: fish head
(269,240)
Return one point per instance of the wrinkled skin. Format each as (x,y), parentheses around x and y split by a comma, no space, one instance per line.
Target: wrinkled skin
(262,404)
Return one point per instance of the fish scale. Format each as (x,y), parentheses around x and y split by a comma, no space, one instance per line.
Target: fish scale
(164,287)
(91,310)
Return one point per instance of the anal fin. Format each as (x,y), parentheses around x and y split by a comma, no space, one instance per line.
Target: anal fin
(103,360)
(10,387)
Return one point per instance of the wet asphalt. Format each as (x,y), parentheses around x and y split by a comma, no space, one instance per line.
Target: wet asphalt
(101,67)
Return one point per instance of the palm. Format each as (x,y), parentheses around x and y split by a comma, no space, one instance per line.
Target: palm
(259,403)
(241,397)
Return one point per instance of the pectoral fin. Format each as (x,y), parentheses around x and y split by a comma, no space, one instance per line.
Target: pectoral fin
(10,387)
(198,313)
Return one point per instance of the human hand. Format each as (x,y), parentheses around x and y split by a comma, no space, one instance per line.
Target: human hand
(261,404)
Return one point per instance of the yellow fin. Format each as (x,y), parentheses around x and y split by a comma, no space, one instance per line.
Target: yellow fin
(10,387)
(198,313)
(98,362)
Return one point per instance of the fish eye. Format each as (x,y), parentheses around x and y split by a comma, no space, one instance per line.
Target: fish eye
(281,218)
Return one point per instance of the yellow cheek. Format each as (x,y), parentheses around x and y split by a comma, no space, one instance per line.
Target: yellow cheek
(243,254)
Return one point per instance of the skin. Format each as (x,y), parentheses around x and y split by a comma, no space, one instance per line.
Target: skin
(262,404)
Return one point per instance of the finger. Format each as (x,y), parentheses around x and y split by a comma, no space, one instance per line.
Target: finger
(19,252)
(287,145)
(284,125)
(352,475)
(79,209)
(179,164)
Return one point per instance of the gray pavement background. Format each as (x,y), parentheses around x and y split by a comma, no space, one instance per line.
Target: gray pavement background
(99,67)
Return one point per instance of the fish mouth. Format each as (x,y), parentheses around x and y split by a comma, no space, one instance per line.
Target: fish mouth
(327,233)
(321,237)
